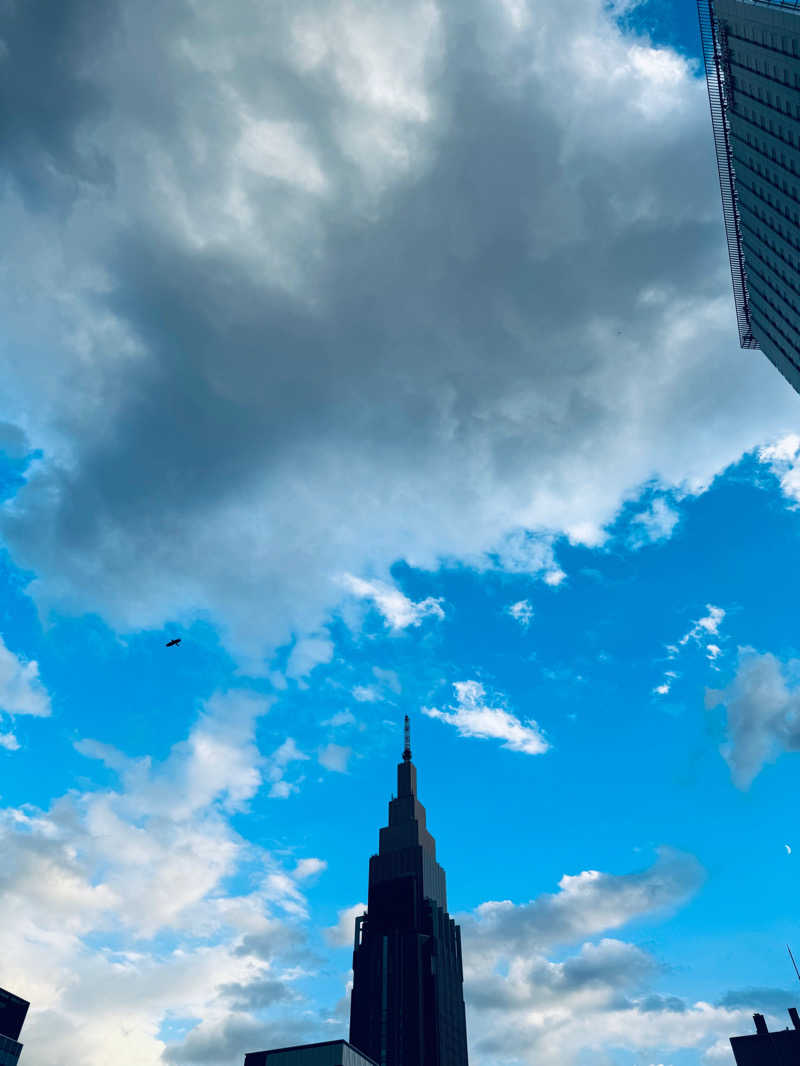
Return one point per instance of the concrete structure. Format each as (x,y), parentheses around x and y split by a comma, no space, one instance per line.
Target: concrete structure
(763,1048)
(752,56)
(329,1053)
(12,1016)
(407,1006)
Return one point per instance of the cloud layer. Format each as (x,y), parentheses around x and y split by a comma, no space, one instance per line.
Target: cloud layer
(297,294)
(596,997)
(121,913)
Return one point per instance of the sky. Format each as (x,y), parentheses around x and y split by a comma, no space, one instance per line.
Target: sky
(385,353)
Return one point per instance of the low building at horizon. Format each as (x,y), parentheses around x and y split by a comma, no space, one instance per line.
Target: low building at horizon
(751,50)
(13,1010)
(327,1053)
(764,1048)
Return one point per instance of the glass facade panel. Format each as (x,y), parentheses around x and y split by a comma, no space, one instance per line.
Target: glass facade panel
(9,1051)
(752,55)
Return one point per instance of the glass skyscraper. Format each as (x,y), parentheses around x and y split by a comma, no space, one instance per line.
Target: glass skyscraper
(752,57)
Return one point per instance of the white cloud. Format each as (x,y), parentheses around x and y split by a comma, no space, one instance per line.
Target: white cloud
(365,694)
(306,868)
(152,857)
(698,633)
(473,718)
(281,758)
(522,611)
(586,904)
(223,1039)
(218,763)
(334,757)
(596,999)
(595,1023)
(385,686)
(308,653)
(554,577)
(783,458)
(342,934)
(21,690)
(594,975)
(706,626)
(666,684)
(274,150)
(521,551)
(9,742)
(657,522)
(398,610)
(762,706)
(382,90)
(341,718)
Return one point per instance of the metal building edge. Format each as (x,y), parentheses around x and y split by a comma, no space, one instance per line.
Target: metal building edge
(714,59)
(774,3)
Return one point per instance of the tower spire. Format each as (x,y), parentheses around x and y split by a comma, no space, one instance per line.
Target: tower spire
(407,738)
(407,1004)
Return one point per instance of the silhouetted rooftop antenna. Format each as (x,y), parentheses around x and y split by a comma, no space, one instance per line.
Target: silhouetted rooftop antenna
(791,956)
(407,748)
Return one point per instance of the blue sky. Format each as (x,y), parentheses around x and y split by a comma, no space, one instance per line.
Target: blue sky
(673,23)
(387,356)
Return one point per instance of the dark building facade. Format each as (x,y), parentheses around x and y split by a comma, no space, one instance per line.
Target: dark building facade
(752,57)
(407,1006)
(12,1016)
(763,1048)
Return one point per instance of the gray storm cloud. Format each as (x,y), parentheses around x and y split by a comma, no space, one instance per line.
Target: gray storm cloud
(301,290)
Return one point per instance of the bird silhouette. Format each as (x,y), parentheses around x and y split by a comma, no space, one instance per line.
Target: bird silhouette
(173,642)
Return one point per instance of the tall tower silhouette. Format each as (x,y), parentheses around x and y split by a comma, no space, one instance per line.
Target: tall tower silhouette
(407,1006)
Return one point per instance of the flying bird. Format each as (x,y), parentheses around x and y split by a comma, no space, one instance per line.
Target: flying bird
(173,642)
(788,849)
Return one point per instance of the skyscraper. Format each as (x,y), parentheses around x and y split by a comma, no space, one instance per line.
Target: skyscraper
(12,1015)
(752,57)
(407,1006)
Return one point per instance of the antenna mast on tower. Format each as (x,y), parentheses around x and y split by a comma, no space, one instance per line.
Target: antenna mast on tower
(407,748)
(791,956)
